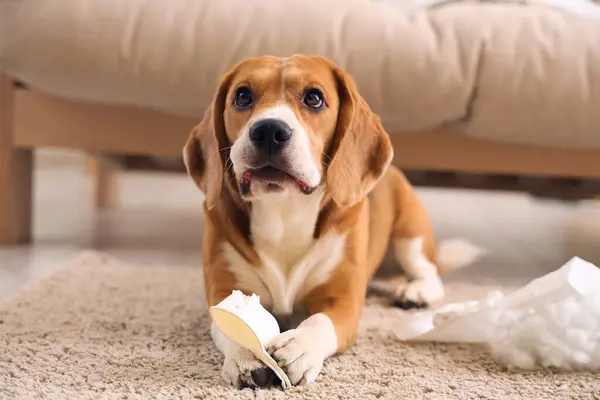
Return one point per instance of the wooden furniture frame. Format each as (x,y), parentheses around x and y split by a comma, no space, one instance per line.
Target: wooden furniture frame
(30,119)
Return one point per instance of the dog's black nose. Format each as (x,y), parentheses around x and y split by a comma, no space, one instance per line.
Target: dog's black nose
(270,134)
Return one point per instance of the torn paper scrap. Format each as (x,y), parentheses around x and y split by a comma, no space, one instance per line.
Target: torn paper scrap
(243,320)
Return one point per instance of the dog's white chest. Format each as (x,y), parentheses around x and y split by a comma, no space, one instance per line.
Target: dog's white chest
(294,262)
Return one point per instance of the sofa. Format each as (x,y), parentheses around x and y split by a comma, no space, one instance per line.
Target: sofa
(499,89)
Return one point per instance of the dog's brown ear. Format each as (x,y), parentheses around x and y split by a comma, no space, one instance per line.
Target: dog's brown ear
(361,150)
(203,153)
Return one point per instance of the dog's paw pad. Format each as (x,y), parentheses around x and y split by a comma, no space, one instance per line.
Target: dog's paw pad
(406,304)
(264,377)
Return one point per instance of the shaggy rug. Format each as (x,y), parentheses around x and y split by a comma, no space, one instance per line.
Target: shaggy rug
(100,328)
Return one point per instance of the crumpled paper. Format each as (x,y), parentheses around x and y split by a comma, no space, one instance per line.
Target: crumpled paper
(554,321)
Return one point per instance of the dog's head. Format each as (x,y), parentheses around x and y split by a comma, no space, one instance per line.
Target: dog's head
(288,125)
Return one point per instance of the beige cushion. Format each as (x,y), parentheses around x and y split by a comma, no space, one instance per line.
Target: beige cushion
(498,71)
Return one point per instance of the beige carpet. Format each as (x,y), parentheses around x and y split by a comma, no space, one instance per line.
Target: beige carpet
(100,328)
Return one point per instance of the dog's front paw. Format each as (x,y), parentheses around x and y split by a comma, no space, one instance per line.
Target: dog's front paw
(298,354)
(419,293)
(242,369)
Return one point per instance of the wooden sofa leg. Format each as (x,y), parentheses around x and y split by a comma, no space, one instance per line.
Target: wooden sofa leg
(105,172)
(16,175)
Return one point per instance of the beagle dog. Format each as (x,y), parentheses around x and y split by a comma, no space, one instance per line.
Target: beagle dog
(300,206)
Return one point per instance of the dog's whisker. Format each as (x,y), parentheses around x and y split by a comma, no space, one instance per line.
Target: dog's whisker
(228,165)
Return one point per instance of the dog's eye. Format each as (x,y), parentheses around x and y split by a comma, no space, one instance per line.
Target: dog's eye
(243,97)
(313,99)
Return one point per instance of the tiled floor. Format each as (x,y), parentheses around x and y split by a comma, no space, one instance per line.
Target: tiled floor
(160,221)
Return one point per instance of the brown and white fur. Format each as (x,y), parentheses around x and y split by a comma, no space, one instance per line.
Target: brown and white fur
(309,234)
